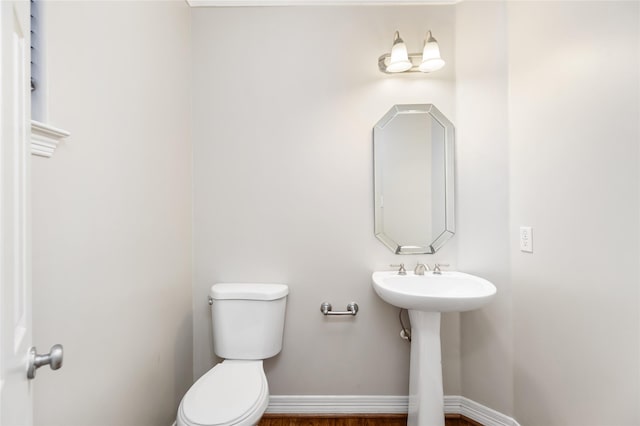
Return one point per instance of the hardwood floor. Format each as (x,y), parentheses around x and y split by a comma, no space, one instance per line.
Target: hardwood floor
(353,420)
(459,420)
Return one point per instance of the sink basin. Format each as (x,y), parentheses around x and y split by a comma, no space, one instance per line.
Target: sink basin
(450,291)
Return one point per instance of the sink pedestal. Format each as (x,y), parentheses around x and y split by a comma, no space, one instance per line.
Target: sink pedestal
(426,397)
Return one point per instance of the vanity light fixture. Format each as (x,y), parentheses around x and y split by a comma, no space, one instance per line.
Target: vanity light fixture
(399,60)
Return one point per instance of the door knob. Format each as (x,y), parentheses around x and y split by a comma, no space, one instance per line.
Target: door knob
(53,358)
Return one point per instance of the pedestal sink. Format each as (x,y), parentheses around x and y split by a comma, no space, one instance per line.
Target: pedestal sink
(426,296)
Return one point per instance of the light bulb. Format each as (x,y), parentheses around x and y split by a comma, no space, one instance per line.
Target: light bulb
(431,60)
(399,61)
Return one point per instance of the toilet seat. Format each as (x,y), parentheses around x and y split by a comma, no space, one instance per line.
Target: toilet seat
(233,392)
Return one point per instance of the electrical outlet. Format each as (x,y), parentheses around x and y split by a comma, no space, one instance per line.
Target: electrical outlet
(526,239)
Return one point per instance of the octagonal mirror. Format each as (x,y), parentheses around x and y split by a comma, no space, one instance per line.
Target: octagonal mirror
(413,150)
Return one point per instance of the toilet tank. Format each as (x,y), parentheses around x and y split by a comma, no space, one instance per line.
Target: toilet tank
(248,319)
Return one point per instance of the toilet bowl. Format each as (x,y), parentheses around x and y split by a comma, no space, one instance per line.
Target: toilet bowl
(248,326)
(231,393)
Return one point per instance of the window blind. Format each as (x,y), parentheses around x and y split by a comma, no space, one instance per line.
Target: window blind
(38,89)
(35,50)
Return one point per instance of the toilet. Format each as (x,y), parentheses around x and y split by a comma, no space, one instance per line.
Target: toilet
(248,324)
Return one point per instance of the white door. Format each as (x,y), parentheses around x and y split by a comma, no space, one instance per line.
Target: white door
(15,248)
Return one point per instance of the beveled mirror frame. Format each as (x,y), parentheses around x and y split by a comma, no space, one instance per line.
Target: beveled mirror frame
(449,191)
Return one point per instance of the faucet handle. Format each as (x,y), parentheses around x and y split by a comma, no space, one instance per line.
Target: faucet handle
(436,268)
(401,271)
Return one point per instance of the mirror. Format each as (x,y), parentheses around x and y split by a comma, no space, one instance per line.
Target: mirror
(413,149)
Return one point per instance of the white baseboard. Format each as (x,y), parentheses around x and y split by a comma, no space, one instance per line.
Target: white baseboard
(366,404)
(455,404)
(337,404)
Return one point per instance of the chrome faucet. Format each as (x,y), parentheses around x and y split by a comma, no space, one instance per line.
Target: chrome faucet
(401,271)
(421,268)
(436,268)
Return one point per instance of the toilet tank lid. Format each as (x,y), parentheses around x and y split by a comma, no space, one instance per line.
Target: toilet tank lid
(248,291)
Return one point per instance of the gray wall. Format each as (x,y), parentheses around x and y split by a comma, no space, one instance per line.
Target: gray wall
(573,116)
(112,216)
(532,149)
(280,119)
(483,199)
(547,120)
(285,104)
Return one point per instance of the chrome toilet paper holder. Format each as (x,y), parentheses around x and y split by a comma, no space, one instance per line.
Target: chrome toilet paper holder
(352,309)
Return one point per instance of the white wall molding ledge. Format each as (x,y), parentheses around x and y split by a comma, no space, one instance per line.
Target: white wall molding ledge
(387,404)
(45,138)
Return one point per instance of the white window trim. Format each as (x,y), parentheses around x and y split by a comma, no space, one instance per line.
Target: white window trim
(45,138)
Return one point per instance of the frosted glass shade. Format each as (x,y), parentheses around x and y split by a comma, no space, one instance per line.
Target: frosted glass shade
(431,60)
(399,60)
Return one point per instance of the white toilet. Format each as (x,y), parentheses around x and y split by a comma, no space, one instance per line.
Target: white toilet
(248,323)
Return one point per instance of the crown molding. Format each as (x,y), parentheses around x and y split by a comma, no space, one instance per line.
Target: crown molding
(265,3)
